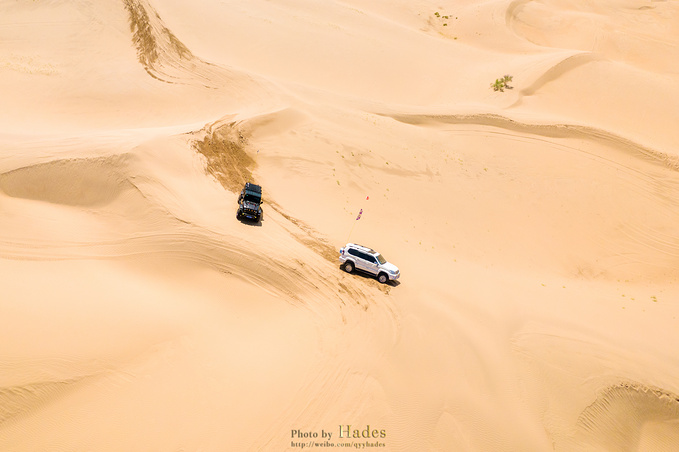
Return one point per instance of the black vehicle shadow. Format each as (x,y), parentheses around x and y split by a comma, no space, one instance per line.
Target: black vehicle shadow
(250,222)
(371,277)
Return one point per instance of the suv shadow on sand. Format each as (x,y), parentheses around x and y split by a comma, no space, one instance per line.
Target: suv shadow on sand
(250,221)
(370,277)
(253,223)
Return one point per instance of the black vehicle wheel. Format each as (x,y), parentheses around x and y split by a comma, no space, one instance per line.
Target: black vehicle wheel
(238,215)
(349,267)
(383,278)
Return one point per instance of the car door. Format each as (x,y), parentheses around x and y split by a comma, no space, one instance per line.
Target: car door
(370,263)
(361,263)
(356,257)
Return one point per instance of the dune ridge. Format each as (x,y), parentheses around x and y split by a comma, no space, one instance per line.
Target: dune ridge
(166,58)
(18,400)
(575,131)
(618,415)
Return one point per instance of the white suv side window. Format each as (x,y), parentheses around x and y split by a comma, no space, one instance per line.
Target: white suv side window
(366,257)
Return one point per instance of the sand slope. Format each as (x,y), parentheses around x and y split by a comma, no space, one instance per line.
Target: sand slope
(535,228)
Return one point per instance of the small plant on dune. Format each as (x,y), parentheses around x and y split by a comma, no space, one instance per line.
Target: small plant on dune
(498,85)
(501,84)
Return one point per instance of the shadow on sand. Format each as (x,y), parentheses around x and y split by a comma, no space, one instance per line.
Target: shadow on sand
(371,277)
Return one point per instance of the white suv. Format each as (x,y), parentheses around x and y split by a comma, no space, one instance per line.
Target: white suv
(358,257)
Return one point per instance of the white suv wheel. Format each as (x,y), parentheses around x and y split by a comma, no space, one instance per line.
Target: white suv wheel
(349,267)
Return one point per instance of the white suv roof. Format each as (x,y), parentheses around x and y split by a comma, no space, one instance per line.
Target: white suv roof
(365,249)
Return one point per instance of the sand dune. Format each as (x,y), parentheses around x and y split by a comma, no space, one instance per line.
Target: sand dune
(535,227)
(627,31)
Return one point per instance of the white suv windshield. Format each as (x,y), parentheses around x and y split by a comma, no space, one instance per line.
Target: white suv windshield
(381,259)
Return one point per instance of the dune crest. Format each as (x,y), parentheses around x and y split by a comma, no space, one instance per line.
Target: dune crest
(597,28)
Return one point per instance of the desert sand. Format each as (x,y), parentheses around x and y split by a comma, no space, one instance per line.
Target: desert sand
(535,227)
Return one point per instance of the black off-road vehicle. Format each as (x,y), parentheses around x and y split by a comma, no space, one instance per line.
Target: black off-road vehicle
(249,202)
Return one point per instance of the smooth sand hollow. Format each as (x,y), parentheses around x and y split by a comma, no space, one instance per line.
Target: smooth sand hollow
(535,227)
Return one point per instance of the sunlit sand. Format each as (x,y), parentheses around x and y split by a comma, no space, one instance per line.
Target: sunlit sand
(535,227)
